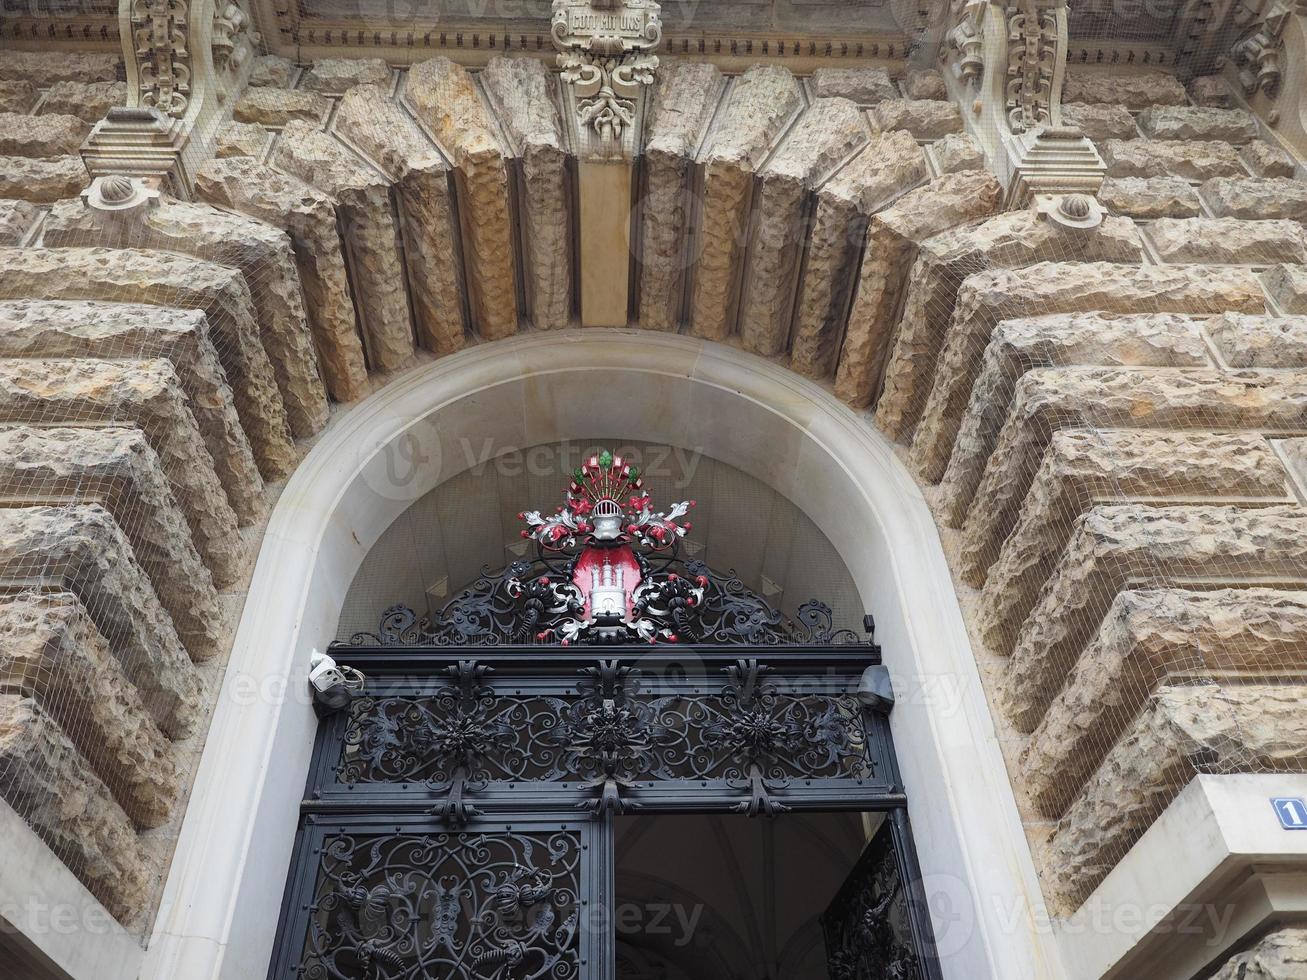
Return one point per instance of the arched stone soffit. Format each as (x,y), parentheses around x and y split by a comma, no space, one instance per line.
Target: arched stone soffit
(222,897)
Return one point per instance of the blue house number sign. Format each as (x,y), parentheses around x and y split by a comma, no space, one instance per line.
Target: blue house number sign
(1292,812)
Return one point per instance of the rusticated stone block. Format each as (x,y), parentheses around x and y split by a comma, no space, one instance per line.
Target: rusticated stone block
(1100,121)
(445,98)
(1267,160)
(16,217)
(147,394)
(364,200)
(50,651)
(237,139)
(686,95)
(926,119)
(59,328)
(987,297)
(1011,240)
(45,779)
(336,75)
(1146,636)
(1143,198)
(1020,345)
(1279,955)
(761,103)
(1190,159)
(865,86)
(41,136)
(1253,727)
(1197,123)
(116,467)
(1287,286)
(271,71)
(309,217)
(44,68)
(262,254)
(129,275)
(1227,241)
(521,90)
(1260,341)
(88,101)
(17,96)
(42,181)
(80,549)
(957,152)
(277,107)
(1134,90)
(1050,399)
(1210,90)
(1110,546)
(924,83)
(893,237)
(823,138)
(889,166)
(371,121)
(1086,467)
(1256,198)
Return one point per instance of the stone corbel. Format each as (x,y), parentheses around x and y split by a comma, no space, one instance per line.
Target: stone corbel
(1258,52)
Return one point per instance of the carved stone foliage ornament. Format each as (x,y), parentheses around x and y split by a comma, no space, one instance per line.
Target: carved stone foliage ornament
(160,33)
(606,54)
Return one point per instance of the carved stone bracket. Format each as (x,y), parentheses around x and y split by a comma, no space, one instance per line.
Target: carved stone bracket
(1258,52)
(161,35)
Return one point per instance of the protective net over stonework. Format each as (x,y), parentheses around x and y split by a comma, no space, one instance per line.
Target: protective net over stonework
(1098,380)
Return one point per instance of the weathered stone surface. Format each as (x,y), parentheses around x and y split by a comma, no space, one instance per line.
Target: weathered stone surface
(1146,635)
(1136,90)
(1260,341)
(521,90)
(88,101)
(17,96)
(865,86)
(81,550)
(1262,726)
(44,68)
(926,119)
(1050,399)
(1143,198)
(1086,467)
(238,139)
(1020,345)
(1066,287)
(820,141)
(50,651)
(135,275)
(761,103)
(56,391)
(71,328)
(116,467)
(957,152)
(893,237)
(889,165)
(1227,241)
(1267,160)
(1197,123)
(363,196)
(1287,286)
(682,106)
(1256,197)
(371,121)
(1279,955)
(1100,121)
(445,98)
(1210,90)
(309,217)
(44,778)
(925,83)
(42,181)
(262,254)
(335,75)
(16,217)
(277,107)
(1190,159)
(270,70)
(41,136)
(1011,240)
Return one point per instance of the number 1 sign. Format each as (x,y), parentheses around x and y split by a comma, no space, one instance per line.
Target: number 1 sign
(1292,812)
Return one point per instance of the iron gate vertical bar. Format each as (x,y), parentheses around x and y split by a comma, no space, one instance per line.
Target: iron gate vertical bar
(923,932)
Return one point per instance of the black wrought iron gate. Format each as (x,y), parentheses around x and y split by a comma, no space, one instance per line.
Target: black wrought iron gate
(457,822)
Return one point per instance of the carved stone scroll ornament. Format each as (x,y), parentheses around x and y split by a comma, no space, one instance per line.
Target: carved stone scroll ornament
(160,32)
(964,50)
(1032,58)
(1259,51)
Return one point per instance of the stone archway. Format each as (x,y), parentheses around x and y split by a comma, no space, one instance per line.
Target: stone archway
(225,884)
